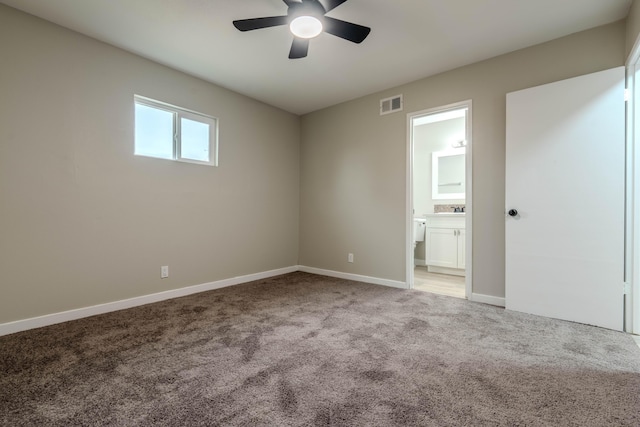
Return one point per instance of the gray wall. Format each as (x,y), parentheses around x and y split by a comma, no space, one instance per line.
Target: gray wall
(633,26)
(353,161)
(83,221)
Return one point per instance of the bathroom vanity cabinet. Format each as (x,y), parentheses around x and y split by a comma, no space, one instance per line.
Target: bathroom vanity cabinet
(445,243)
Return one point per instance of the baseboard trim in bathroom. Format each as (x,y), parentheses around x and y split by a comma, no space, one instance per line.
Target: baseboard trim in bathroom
(488,299)
(420,262)
(445,270)
(79,313)
(354,277)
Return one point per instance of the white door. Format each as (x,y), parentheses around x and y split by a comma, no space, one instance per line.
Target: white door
(565,166)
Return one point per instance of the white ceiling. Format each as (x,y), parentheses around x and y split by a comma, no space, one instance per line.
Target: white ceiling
(409,40)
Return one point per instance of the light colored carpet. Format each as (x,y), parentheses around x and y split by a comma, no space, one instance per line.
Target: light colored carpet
(302,349)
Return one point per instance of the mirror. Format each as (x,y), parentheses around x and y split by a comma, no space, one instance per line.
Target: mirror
(448,174)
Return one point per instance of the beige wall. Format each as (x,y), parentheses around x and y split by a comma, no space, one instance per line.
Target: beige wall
(83,221)
(353,160)
(633,27)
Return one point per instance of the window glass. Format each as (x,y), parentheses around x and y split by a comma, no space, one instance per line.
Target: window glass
(194,137)
(154,132)
(169,132)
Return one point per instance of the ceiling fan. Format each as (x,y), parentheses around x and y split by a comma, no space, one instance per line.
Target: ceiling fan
(306,20)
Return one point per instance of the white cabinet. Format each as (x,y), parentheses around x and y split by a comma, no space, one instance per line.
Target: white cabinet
(461,248)
(445,243)
(442,247)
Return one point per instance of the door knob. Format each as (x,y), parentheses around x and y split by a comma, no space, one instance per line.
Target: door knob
(513,212)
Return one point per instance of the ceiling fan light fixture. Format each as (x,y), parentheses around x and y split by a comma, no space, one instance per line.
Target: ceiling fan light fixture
(306,27)
(307,19)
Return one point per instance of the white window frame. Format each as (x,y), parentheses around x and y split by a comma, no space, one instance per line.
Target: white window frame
(178,114)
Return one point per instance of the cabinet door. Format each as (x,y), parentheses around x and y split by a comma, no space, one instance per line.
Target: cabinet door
(461,249)
(442,247)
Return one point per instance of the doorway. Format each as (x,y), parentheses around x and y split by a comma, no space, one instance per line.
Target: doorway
(632,214)
(439,200)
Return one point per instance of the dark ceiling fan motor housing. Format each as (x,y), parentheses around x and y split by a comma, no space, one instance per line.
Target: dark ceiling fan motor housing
(299,48)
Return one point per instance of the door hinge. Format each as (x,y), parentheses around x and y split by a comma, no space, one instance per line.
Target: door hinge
(626,289)
(626,95)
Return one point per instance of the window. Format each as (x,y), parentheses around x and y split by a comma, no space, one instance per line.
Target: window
(168,132)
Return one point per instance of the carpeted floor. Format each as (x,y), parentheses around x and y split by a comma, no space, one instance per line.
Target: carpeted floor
(302,349)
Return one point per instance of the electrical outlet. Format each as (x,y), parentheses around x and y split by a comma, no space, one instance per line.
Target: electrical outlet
(164,271)
(350,258)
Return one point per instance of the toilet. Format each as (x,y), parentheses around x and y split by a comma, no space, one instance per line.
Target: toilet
(419,230)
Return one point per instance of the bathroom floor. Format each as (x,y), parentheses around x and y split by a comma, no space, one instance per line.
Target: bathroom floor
(442,284)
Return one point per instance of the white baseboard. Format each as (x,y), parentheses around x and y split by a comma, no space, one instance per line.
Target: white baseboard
(445,270)
(355,277)
(65,316)
(52,319)
(488,299)
(419,262)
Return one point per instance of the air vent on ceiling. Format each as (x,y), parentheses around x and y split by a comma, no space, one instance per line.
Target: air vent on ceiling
(391,105)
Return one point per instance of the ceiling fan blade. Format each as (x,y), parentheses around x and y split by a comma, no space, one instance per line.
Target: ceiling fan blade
(290,2)
(346,30)
(331,4)
(299,48)
(257,23)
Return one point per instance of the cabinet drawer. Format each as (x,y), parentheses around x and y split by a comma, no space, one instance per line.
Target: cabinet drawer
(446,222)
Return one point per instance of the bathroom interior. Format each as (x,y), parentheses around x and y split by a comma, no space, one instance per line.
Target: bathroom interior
(439,182)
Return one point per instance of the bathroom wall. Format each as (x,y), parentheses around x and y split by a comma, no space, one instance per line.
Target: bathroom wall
(427,139)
